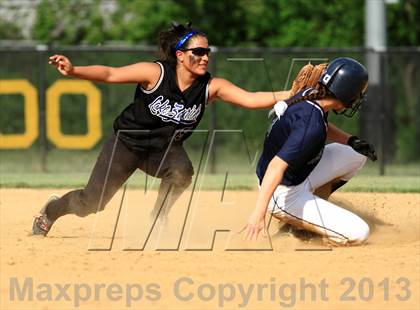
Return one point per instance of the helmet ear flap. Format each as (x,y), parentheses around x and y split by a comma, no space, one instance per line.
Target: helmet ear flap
(327,78)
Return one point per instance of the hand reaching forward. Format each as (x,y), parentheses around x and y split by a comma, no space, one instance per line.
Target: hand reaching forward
(255,224)
(62,63)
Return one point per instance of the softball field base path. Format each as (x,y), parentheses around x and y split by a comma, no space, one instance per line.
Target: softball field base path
(59,272)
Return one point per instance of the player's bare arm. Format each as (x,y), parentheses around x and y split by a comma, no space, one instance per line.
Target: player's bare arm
(146,73)
(229,92)
(336,134)
(271,180)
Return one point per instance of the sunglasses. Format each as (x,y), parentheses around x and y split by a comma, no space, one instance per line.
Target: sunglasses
(198,51)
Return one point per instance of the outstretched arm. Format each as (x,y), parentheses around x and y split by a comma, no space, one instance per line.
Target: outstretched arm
(271,180)
(336,134)
(142,72)
(229,92)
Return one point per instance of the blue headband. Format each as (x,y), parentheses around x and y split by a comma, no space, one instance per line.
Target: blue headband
(184,39)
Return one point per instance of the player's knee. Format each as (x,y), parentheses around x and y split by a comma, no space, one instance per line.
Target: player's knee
(182,177)
(353,160)
(360,234)
(358,159)
(89,203)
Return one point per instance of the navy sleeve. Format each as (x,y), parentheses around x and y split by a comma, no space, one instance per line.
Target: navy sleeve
(299,146)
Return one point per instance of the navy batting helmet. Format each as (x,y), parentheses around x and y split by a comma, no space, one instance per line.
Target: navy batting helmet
(347,80)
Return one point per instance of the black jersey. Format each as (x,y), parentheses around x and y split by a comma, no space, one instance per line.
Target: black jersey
(163,112)
(298,137)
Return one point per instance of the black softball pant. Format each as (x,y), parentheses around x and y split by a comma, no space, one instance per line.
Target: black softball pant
(175,170)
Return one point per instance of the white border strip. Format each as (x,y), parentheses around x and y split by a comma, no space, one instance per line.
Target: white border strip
(162,73)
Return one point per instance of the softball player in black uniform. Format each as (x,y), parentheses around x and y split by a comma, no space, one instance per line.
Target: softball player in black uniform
(171,96)
(295,161)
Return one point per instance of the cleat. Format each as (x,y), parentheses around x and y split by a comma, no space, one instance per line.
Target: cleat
(42,224)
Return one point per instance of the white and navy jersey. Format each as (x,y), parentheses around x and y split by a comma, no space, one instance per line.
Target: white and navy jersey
(298,138)
(156,115)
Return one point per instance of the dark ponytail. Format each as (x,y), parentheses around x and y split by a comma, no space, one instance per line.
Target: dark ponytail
(168,39)
(317,93)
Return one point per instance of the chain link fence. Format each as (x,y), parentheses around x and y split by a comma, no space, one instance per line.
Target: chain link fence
(390,119)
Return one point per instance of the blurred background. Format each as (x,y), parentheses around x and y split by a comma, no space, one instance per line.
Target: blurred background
(48,128)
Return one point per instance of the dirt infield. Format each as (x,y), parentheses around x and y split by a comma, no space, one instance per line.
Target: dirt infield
(177,269)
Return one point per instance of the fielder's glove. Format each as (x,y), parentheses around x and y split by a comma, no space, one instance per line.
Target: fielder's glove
(363,147)
(308,76)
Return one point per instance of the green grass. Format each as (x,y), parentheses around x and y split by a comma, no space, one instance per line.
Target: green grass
(361,183)
(383,184)
(71,169)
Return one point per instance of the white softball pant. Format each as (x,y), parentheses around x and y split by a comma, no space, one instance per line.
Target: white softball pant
(298,206)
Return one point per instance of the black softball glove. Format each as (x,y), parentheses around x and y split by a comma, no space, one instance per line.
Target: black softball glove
(363,147)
